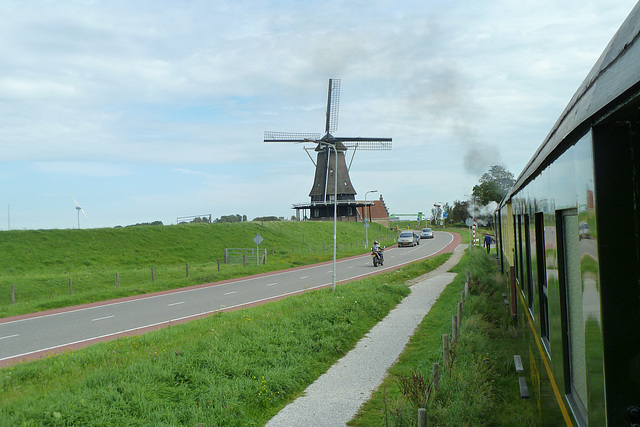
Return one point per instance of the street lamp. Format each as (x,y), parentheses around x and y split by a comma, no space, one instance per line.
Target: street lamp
(335,206)
(366,225)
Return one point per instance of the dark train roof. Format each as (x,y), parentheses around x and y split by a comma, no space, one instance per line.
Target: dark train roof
(606,86)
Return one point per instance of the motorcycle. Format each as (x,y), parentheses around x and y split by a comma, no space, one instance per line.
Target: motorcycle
(377,256)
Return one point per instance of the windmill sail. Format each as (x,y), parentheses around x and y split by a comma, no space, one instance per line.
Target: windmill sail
(333,102)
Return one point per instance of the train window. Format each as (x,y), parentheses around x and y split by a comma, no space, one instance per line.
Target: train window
(571,286)
(515,248)
(519,253)
(541,263)
(527,260)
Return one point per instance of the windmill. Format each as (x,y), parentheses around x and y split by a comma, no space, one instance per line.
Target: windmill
(331,156)
(79,208)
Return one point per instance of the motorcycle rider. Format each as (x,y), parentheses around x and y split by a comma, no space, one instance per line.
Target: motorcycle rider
(376,248)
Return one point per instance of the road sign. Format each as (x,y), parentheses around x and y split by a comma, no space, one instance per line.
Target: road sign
(258,239)
(444,214)
(366,224)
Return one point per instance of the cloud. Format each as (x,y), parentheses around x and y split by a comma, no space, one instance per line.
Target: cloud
(178,94)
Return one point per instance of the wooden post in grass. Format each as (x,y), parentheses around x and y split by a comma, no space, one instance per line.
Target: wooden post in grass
(459,315)
(153,276)
(309,248)
(462,296)
(454,328)
(117,280)
(436,376)
(70,286)
(244,260)
(187,269)
(13,294)
(445,350)
(422,417)
(218,264)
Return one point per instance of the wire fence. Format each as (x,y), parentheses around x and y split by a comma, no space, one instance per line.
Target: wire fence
(245,255)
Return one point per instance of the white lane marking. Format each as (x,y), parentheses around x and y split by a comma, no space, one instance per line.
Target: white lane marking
(10,336)
(304,277)
(272,284)
(330,272)
(229,293)
(175,303)
(102,318)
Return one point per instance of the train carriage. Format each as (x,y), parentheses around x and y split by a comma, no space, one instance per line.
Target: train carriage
(569,243)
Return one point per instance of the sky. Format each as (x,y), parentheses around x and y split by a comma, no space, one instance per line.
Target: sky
(153,110)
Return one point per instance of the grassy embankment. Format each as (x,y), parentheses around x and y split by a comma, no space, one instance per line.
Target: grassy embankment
(481,387)
(39,263)
(240,368)
(234,368)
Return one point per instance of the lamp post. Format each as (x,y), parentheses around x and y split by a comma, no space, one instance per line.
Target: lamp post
(366,225)
(335,206)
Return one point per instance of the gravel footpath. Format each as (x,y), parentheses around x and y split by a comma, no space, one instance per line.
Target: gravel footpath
(335,397)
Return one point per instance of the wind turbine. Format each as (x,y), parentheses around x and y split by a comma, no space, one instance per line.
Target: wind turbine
(79,208)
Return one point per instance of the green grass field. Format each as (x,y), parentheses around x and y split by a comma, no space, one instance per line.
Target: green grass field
(40,263)
(229,369)
(240,368)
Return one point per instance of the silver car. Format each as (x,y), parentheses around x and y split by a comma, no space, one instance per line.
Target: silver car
(407,238)
(426,233)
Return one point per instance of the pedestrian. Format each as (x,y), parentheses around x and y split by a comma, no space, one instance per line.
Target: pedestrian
(487,242)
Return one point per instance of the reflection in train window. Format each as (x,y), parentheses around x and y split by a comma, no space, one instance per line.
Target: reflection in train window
(521,266)
(576,375)
(527,266)
(543,292)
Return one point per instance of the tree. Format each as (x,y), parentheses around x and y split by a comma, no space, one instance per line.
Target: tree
(231,218)
(493,185)
(460,211)
(267,218)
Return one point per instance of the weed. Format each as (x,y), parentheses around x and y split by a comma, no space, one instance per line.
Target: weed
(416,388)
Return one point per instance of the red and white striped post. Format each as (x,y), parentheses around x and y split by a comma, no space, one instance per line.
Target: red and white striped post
(475,225)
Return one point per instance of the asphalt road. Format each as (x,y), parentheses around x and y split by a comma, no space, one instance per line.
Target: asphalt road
(72,328)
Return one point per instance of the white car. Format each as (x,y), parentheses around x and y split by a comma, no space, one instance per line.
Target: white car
(426,233)
(407,238)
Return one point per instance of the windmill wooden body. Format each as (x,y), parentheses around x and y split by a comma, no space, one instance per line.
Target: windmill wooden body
(331,159)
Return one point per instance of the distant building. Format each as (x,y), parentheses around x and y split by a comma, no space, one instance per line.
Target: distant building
(375,211)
